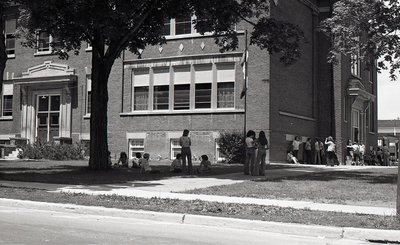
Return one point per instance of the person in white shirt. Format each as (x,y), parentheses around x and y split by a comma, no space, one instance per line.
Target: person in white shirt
(317,152)
(356,153)
(296,146)
(145,165)
(186,152)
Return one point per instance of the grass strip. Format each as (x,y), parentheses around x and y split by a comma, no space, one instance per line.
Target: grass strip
(242,211)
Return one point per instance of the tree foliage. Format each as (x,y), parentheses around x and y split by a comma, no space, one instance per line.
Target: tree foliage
(367,28)
(111,26)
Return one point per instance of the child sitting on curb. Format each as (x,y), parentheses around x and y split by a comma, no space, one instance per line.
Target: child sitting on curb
(145,165)
(176,165)
(205,165)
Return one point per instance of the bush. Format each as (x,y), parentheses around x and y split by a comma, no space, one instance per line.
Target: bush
(52,151)
(231,144)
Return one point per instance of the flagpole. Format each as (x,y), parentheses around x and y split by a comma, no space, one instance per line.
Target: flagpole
(245,85)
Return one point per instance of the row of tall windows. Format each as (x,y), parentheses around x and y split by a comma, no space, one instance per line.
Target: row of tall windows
(177,95)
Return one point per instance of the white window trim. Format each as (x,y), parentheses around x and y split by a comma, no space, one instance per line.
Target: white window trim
(193,33)
(10,56)
(129,145)
(40,53)
(171,147)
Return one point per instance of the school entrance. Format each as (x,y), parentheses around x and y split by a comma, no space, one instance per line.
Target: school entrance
(48,117)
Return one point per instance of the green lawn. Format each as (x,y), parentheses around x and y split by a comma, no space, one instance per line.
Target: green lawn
(77,172)
(369,187)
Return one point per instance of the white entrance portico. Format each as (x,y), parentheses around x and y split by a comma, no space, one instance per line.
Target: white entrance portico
(46,112)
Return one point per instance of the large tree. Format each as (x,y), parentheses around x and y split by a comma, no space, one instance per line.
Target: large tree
(4,5)
(111,26)
(368,29)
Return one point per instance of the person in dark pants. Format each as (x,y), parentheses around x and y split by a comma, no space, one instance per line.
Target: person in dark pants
(186,152)
(250,152)
(307,149)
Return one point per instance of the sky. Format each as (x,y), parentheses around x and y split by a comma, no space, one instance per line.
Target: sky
(388,96)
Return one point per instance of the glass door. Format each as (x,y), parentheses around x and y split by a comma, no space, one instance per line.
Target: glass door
(48,117)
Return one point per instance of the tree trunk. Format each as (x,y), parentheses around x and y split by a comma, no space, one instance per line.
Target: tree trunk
(3,54)
(98,116)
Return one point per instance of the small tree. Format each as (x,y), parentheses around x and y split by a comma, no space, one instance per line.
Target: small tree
(231,144)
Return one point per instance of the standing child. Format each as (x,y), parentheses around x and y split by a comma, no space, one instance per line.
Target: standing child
(176,165)
(185,143)
(145,165)
(123,159)
(205,165)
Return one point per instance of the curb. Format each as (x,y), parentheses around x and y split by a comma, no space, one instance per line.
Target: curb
(192,219)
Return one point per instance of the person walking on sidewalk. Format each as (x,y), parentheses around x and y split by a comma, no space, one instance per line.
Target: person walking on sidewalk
(259,166)
(330,151)
(186,152)
(250,152)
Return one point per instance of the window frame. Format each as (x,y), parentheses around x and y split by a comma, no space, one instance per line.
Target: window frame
(137,146)
(44,52)
(174,147)
(9,110)
(10,35)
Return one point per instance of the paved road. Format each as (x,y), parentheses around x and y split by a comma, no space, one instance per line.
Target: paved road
(27,225)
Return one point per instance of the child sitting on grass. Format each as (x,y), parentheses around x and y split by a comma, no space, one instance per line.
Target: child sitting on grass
(205,165)
(135,160)
(291,159)
(145,165)
(176,165)
(123,159)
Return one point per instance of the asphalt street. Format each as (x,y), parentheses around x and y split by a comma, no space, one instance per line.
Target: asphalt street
(28,225)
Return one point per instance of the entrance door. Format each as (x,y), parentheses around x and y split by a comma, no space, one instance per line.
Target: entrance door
(48,117)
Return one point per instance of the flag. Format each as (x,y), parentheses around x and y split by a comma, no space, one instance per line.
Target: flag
(243,63)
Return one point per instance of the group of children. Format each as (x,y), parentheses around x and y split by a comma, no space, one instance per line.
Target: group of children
(143,164)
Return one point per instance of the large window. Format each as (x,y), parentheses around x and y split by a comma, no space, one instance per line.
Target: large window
(182,97)
(203,95)
(355,125)
(355,65)
(141,80)
(161,97)
(7,102)
(183,25)
(45,42)
(9,31)
(184,87)
(88,94)
(226,85)
(161,80)
(182,79)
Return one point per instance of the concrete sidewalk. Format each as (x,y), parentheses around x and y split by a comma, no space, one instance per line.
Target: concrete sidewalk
(167,188)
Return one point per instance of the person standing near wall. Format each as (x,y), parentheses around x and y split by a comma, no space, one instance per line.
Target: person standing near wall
(250,152)
(386,155)
(307,149)
(186,152)
(330,151)
(259,166)
(296,147)
(317,152)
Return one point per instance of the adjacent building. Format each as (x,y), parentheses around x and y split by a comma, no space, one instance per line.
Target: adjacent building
(188,84)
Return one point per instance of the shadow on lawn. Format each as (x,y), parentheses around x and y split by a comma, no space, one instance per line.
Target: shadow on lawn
(80,174)
(364,176)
